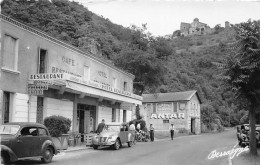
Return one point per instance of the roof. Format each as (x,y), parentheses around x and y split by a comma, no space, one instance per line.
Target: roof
(167,97)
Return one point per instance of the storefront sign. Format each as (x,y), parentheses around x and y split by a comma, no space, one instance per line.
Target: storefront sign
(68,61)
(168,116)
(164,107)
(42,83)
(59,70)
(37,87)
(46,76)
(35,92)
(100,86)
(102,74)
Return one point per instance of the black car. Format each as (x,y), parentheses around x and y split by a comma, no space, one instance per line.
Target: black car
(21,140)
(243,133)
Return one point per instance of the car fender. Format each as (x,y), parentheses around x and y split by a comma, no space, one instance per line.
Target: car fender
(48,143)
(12,155)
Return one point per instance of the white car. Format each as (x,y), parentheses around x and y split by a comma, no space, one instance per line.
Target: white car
(114,135)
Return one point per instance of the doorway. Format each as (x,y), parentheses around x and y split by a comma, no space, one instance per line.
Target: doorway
(192,126)
(86,115)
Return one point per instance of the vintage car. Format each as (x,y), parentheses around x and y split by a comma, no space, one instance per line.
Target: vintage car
(114,135)
(243,133)
(21,140)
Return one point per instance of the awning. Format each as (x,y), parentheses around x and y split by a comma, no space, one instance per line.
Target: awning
(96,91)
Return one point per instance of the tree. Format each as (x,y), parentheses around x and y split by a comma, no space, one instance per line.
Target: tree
(241,70)
(147,69)
(162,47)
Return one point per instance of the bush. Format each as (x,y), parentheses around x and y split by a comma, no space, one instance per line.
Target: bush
(199,43)
(57,125)
(142,123)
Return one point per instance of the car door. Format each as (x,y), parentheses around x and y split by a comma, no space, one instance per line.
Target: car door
(123,134)
(26,143)
(43,136)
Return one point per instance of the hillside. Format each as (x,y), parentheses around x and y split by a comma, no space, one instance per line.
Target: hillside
(162,65)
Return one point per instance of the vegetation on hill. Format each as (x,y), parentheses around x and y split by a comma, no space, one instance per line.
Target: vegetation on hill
(159,64)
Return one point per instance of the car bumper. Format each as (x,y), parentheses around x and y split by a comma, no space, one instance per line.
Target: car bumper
(104,143)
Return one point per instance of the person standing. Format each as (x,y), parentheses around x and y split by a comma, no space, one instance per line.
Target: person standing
(172,128)
(138,127)
(132,129)
(151,132)
(100,126)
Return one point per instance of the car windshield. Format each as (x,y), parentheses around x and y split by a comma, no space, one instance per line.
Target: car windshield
(9,129)
(111,128)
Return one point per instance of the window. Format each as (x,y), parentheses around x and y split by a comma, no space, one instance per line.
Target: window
(42,68)
(10,58)
(125,86)
(114,82)
(42,132)
(149,108)
(29,131)
(86,73)
(113,115)
(39,115)
(165,121)
(154,108)
(174,107)
(124,115)
(6,106)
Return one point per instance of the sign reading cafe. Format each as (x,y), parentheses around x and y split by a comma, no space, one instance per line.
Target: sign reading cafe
(168,116)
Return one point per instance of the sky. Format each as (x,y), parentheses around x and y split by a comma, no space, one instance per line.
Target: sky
(163,17)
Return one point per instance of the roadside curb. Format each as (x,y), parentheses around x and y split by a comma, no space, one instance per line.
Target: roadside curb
(76,149)
(83,147)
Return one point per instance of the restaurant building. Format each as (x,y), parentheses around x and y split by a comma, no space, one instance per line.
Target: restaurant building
(180,108)
(41,76)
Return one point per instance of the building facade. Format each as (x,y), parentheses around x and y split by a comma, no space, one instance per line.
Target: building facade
(195,28)
(181,109)
(41,76)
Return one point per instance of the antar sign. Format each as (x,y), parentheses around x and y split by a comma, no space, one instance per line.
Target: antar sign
(168,116)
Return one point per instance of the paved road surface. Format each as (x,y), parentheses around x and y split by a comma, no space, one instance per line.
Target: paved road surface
(190,150)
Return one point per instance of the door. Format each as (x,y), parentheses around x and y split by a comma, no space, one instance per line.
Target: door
(81,121)
(43,136)
(192,125)
(28,143)
(123,135)
(39,113)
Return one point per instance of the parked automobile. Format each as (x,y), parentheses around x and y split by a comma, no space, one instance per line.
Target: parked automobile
(114,135)
(20,140)
(243,133)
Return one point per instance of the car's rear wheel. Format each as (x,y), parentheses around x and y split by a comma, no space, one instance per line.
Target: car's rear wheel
(116,145)
(47,155)
(95,147)
(130,144)
(5,158)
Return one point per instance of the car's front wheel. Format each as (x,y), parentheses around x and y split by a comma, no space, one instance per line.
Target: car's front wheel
(116,145)
(47,155)
(95,147)
(5,159)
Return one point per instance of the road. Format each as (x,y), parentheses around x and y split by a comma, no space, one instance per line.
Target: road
(188,150)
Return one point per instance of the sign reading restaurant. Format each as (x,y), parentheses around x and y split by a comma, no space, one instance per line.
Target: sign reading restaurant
(47,76)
